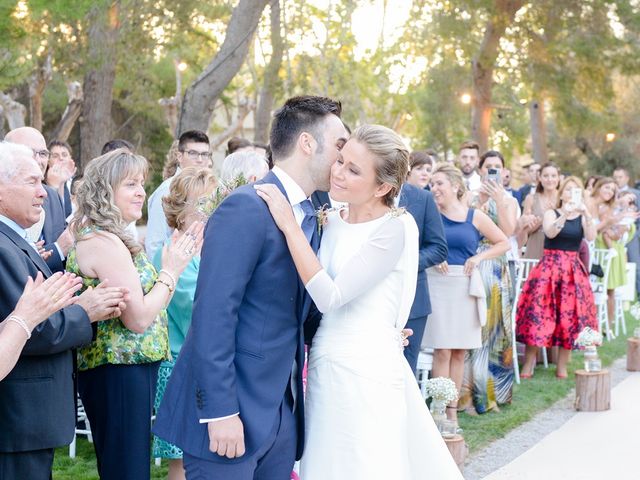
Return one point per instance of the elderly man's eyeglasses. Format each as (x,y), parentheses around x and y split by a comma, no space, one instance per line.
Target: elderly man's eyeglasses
(42,154)
(193,154)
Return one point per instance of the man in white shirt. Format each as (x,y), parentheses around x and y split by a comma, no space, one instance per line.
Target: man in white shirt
(468,160)
(193,151)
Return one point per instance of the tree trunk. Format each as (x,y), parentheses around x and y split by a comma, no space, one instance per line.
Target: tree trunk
(633,354)
(13,111)
(71,112)
(482,68)
(271,79)
(37,84)
(593,391)
(244,108)
(538,132)
(95,123)
(201,96)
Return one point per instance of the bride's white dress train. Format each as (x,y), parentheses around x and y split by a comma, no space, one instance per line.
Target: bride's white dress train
(365,417)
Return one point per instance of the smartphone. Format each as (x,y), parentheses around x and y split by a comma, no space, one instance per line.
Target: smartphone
(576,196)
(494,174)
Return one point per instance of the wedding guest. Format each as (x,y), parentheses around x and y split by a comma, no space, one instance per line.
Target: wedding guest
(39,300)
(622,178)
(531,181)
(193,151)
(556,302)
(37,397)
(236,144)
(535,205)
(421,165)
(589,184)
(60,171)
(51,229)
(187,202)
(468,160)
(248,164)
(457,293)
(118,369)
(172,163)
(611,227)
(489,377)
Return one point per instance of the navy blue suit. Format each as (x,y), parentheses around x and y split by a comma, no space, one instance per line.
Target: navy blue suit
(245,333)
(54,225)
(433,250)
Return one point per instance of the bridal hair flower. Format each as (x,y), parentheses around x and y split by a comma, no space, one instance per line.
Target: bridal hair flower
(442,388)
(589,338)
(205,206)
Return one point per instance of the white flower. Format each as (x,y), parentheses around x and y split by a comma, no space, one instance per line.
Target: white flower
(635,310)
(442,388)
(589,338)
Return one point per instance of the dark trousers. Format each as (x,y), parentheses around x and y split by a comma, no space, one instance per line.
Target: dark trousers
(34,465)
(412,350)
(118,401)
(273,461)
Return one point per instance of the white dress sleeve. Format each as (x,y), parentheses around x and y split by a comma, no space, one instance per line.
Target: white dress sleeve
(375,259)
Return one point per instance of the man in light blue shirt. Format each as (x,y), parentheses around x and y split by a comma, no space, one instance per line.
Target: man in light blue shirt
(193,151)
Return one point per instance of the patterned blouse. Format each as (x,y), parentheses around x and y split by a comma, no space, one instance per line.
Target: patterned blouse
(115,343)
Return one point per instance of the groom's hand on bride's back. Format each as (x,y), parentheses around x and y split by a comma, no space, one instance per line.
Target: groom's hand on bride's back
(226,437)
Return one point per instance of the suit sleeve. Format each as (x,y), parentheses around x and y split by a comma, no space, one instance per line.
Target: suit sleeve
(433,248)
(233,241)
(67,328)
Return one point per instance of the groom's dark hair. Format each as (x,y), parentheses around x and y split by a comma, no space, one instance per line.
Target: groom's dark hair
(297,115)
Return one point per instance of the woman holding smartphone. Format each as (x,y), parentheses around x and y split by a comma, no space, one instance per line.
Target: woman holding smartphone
(488,378)
(556,302)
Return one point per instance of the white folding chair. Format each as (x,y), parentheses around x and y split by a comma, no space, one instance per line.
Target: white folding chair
(424,366)
(625,293)
(81,417)
(603,258)
(523,269)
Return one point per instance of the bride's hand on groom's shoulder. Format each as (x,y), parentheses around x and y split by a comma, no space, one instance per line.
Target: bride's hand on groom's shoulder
(226,437)
(279,206)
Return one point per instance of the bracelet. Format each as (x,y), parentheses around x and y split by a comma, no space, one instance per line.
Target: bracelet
(171,277)
(166,284)
(22,323)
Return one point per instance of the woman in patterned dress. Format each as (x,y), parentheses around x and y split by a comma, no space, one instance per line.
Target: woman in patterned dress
(118,370)
(488,377)
(185,204)
(556,302)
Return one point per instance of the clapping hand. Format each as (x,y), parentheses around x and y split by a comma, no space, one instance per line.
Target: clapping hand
(42,298)
(103,302)
(177,255)
(45,254)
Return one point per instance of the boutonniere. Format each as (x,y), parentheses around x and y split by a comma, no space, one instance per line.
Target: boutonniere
(322,216)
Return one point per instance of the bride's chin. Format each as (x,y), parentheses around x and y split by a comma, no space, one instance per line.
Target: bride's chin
(338,196)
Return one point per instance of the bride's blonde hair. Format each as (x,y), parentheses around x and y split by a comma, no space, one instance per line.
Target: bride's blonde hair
(392,155)
(95,195)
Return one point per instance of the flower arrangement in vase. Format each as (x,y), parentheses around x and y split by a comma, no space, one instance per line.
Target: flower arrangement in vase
(442,391)
(634,310)
(590,339)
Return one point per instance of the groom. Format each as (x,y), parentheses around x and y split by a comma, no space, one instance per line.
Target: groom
(234,400)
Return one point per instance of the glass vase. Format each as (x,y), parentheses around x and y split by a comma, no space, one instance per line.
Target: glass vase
(592,362)
(636,332)
(438,410)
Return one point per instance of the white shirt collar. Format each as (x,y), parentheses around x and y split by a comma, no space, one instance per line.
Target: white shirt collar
(14,226)
(293,190)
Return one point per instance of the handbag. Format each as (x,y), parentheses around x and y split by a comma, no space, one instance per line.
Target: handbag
(597,270)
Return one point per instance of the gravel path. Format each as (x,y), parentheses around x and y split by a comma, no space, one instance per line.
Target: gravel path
(518,441)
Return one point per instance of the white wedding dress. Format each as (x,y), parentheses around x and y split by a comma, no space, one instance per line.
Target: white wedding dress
(365,417)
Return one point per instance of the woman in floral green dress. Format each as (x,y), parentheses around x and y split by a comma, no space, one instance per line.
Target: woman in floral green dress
(118,370)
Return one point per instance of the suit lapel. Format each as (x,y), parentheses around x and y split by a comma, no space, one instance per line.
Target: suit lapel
(22,244)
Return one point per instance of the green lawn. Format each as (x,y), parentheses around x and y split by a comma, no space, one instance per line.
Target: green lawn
(534,395)
(529,398)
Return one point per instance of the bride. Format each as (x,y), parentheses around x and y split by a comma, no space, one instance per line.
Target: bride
(365,417)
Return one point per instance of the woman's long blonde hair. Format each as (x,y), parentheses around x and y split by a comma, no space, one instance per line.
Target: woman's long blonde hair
(95,195)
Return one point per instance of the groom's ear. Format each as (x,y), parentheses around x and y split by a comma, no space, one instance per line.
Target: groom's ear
(305,142)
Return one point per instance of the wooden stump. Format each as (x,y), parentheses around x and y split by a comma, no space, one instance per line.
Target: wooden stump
(633,354)
(458,449)
(593,391)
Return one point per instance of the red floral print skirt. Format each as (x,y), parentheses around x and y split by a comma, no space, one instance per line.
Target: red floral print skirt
(556,302)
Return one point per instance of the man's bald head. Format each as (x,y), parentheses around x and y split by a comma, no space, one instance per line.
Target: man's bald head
(33,139)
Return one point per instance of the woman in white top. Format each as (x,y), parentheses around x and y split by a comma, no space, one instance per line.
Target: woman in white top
(364,413)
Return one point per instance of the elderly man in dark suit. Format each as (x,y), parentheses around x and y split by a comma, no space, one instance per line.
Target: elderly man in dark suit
(57,238)
(37,404)
(433,250)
